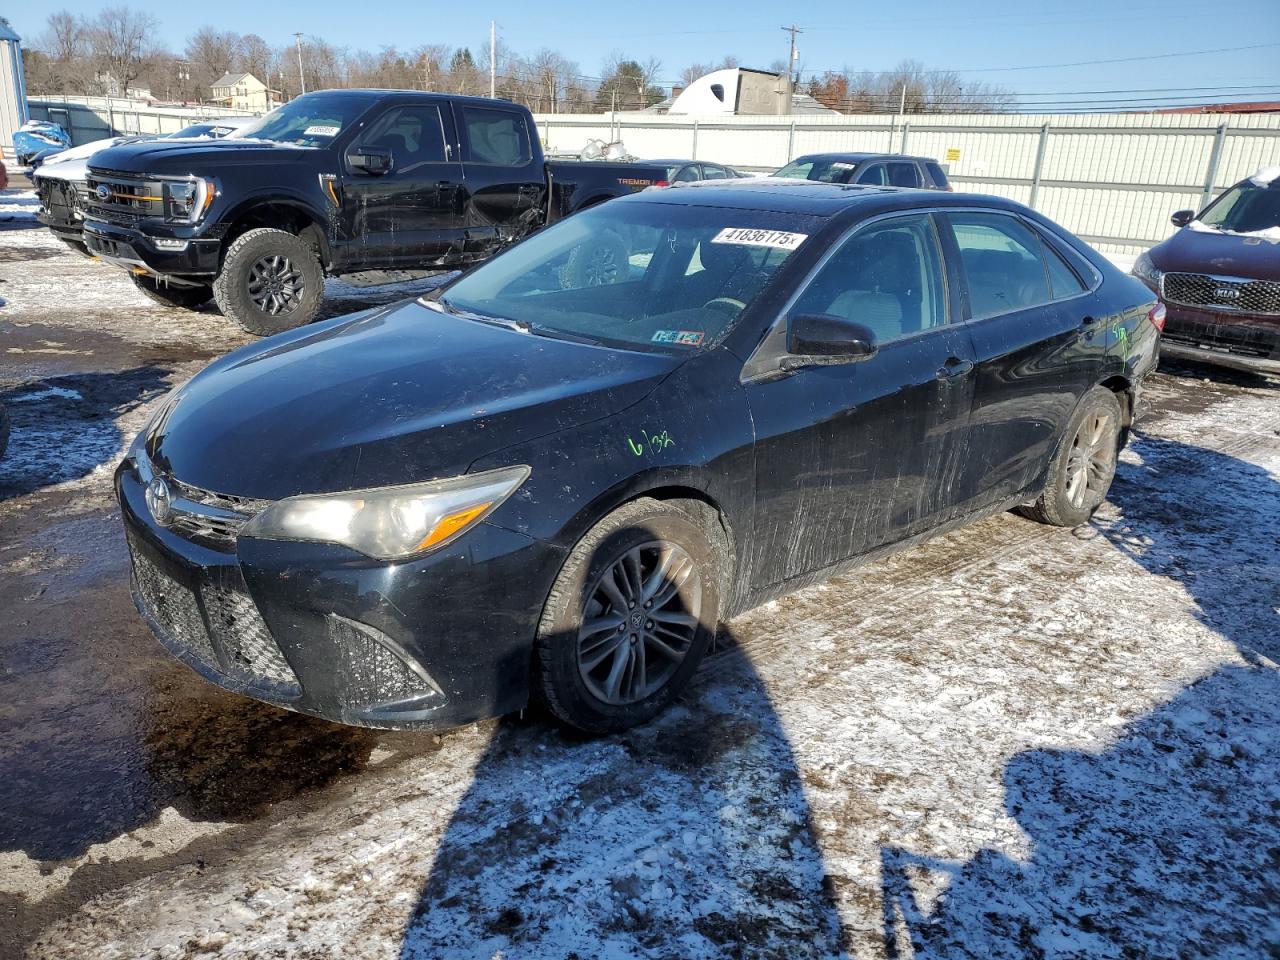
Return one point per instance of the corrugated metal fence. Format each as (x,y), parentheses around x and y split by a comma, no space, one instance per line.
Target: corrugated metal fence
(94,118)
(1114,179)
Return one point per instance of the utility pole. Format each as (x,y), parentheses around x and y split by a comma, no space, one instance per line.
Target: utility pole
(791,64)
(493,59)
(302,80)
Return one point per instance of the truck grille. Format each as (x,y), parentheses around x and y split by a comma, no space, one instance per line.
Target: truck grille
(62,200)
(229,636)
(1234,294)
(119,198)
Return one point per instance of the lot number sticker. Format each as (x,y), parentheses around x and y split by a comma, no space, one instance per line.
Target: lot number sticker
(749,237)
(321,130)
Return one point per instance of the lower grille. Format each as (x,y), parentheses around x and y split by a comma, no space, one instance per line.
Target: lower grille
(1250,341)
(230,636)
(1238,294)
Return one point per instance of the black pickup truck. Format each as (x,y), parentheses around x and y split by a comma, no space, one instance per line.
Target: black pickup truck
(340,182)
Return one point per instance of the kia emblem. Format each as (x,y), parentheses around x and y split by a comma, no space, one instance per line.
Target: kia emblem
(1227,293)
(160,501)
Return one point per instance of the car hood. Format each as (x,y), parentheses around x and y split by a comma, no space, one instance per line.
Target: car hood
(393,396)
(1224,254)
(183,157)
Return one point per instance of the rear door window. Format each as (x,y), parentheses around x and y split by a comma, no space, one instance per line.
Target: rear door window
(903,175)
(1002,263)
(495,136)
(936,174)
(688,173)
(711,172)
(874,175)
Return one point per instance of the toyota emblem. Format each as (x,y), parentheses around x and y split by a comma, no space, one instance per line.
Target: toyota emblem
(160,501)
(103,192)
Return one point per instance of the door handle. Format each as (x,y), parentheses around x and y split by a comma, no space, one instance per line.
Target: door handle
(954,367)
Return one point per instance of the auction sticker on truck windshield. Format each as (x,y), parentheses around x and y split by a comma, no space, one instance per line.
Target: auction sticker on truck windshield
(321,130)
(750,237)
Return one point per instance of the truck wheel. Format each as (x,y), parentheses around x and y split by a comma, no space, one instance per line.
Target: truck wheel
(598,263)
(270,281)
(187,298)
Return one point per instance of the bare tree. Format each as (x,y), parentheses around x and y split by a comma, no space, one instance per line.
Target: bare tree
(211,53)
(120,41)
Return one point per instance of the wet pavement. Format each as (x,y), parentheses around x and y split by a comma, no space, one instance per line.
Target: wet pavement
(864,769)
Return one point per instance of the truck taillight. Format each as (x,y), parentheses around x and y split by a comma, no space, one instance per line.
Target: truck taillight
(1156,315)
(661,183)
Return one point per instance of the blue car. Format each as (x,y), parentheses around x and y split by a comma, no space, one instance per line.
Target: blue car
(36,139)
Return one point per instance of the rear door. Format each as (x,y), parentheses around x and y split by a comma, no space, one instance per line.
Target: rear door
(856,455)
(410,213)
(1037,346)
(505,178)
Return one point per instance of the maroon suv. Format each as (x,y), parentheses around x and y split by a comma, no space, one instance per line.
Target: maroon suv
(1219,277)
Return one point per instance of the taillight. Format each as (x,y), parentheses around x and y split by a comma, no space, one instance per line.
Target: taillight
(1156,315)
(661,183)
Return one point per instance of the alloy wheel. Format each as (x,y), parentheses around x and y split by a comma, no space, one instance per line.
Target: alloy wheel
(1092,460)
(602,267)
(275,285)
(639,623)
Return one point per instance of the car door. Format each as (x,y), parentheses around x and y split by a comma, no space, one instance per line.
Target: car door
(505,180)
(852,456)
(1036,345)
(410,212)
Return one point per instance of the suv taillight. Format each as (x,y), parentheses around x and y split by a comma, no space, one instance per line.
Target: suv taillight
(1156,315)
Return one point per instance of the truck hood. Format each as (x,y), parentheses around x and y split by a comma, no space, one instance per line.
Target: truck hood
(183,157)
(1224,254)
(393,396)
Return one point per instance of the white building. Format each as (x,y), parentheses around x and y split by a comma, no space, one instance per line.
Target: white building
(242,92)
(738,90)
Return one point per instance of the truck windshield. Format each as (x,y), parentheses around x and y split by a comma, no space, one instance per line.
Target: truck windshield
(634,274)
(1245,208)
(312,120)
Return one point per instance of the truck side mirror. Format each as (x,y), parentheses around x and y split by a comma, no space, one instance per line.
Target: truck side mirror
(1183,217)
(826,338)
(374,161)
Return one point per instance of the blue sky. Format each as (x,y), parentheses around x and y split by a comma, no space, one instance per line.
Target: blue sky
(982,38)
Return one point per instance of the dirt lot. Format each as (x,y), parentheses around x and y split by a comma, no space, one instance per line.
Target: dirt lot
(1013,741)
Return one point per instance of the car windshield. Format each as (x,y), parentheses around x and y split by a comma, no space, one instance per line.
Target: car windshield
(312,120)
(822,170)
(634,274)
(1245,208)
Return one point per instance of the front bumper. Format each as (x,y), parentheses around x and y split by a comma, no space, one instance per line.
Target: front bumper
(61,227)
(429,643)
(135,250)
(1237,340)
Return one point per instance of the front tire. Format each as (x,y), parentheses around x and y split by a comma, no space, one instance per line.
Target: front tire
(270,281)
(630,616)
(1084,464)
(184,298)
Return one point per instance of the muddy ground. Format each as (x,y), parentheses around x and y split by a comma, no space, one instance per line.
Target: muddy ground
(1012,741)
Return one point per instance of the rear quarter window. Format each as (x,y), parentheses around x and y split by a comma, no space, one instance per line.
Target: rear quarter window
(936,174)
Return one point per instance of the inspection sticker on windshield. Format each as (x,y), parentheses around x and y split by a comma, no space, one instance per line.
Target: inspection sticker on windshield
(686,338)
(321,130)
(749,237)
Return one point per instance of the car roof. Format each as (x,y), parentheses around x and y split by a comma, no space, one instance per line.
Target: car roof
(377,93)
(811,197)
(861,157)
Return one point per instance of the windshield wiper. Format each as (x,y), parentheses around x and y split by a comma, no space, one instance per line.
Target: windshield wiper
(517,325)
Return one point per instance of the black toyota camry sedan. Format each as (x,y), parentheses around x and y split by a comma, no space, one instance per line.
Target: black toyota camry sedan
(519,488)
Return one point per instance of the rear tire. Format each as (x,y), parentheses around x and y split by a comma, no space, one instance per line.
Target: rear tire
(270,281)
(1084,464)
(185,298)
(630,616)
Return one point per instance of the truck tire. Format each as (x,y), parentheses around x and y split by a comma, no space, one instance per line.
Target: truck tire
(186,298)
(270,281)
(602,261)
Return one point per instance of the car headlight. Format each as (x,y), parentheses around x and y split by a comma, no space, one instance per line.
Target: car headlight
(390,523)
(185,201)
(1144,269)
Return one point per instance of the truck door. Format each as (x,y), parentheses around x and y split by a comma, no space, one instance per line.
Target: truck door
(506,179)
(410,212)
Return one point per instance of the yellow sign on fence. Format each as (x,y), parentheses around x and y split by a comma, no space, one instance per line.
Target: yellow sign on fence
(953,153)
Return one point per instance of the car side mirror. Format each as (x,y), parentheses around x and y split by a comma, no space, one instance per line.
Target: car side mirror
(1183,217)
(826,338)
(374,161)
